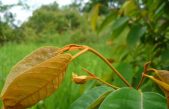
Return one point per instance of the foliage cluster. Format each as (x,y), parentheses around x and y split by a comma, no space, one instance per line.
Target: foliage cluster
(47,21)
(135,31)
(8,29)
(67,92)
(39,74)
(6,19)
(51,19)
(145,24)
(138,31)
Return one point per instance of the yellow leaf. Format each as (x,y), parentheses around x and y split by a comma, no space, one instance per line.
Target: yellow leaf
(81,79)
(163,75)
(94,15)
(34,78)
(163,81)
(159,82)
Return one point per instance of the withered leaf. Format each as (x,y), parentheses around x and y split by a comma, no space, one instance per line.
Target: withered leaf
(34,78)
(163,81)
(164,76)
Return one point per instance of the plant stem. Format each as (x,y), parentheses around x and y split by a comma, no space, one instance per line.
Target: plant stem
(86,48)
(141,81)
(142,77)
(154,70)
(106,83)
(109,64)
(100,80)
(79,53)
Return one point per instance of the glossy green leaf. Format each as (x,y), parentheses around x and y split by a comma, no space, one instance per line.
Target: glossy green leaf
(92,98)
(134,35)
(153,100)
(127,98)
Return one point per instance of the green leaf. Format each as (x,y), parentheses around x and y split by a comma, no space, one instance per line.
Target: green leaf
(165,55)
(126,71)
(106,21)
(153,5)
(127,98)
(120,22)
(119,26)
(94,16)
(120,32)
(134,35)
(154,8)
(159,10)
(129,8)
(153,100)
(92,98)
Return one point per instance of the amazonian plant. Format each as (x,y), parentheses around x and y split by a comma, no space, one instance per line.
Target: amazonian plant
(39,74)
(142,27)
(138,32)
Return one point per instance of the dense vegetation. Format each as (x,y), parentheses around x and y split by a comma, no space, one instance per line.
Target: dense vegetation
(128,33)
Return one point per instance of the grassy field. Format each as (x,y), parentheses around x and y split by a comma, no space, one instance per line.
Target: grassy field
(11,53)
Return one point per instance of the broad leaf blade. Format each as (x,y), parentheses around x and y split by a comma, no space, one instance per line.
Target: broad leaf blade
(163,80)
(126,71)
(106,21)
(129,8)
(119,26)
(134,35)
(98,101)
(164,77)
(94,16)
(165,55)
(164,85)
(153,100)
(120,22)
(91,99)
(28,62)
(37,82)
(127,98)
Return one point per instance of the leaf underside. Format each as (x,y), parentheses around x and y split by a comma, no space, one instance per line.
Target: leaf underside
(34,78)
(164,77)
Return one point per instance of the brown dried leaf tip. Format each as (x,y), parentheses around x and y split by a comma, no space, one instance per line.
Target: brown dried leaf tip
(81,79)
(162,80)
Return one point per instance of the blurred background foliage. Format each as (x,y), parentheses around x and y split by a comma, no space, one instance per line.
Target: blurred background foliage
(127,32)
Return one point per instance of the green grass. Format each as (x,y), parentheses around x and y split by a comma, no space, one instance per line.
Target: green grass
(11,53)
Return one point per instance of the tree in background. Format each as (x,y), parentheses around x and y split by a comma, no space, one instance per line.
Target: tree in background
(50,19)
(8,30)
(5,19)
